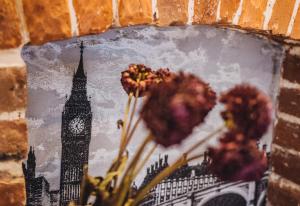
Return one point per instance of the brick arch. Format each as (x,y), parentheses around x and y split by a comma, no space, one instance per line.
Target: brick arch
(41,21)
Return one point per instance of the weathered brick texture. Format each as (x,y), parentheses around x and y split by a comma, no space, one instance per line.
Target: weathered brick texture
(228,10)
(47,20)
(13,89)
(281,16)
(291,68)
(253,13)
(284,164)
(287,134)
(10,34)
(175,13)
(133,12)
(289,101)
(296,29)
(93,16)
(205,12)
(13,138)
(279,196)
(12,192)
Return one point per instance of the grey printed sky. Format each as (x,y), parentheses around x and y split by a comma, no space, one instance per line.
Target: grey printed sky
(221,57)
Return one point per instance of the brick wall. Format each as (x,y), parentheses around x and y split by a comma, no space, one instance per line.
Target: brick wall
(40,21)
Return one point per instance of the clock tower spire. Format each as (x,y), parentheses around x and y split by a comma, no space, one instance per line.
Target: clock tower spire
(75,136)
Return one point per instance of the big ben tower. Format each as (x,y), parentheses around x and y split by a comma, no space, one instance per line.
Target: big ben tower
(75,137)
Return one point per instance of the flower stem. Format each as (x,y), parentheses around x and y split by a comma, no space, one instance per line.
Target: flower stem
(123,134)
(127,177)
(132,131)
(132,111)
(169,170)
(205,139)
(144,161)
(162,175)
(195,157)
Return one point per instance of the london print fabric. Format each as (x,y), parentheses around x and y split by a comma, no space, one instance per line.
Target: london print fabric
(76,99)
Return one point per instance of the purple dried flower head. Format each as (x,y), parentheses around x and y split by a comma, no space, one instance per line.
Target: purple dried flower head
(174,107)
(163,74)
(237,160)
(247,110)
(137,76)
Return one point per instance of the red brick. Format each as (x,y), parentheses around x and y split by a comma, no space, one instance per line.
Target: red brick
(280,197)
(10,34)
(13,89)
(287,135)
(13,138)
(296,29)
(12,192)
(228,10)
(289,101)
(133,12)
(47,20)
(175,13)
(93,16)
(291,68)
(281,16)
(253,13)
(285,164)
(205,12)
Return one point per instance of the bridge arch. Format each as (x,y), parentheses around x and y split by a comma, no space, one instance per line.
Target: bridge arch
(226,198)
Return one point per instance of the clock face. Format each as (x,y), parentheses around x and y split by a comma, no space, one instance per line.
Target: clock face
(76,125)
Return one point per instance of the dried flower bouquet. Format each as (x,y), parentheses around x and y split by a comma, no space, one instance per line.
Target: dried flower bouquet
(174,104)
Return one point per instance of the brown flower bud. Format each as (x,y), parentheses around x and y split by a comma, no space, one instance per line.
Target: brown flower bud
(247,110)
(236,159)
(137,76)
(175,106)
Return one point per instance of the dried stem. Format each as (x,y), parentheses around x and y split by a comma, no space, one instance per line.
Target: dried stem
(195,157)
(132,111)
(123,134)
(162,175)
(205,139)
(127,178)
(132,131)
(169,170)
(140,167)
